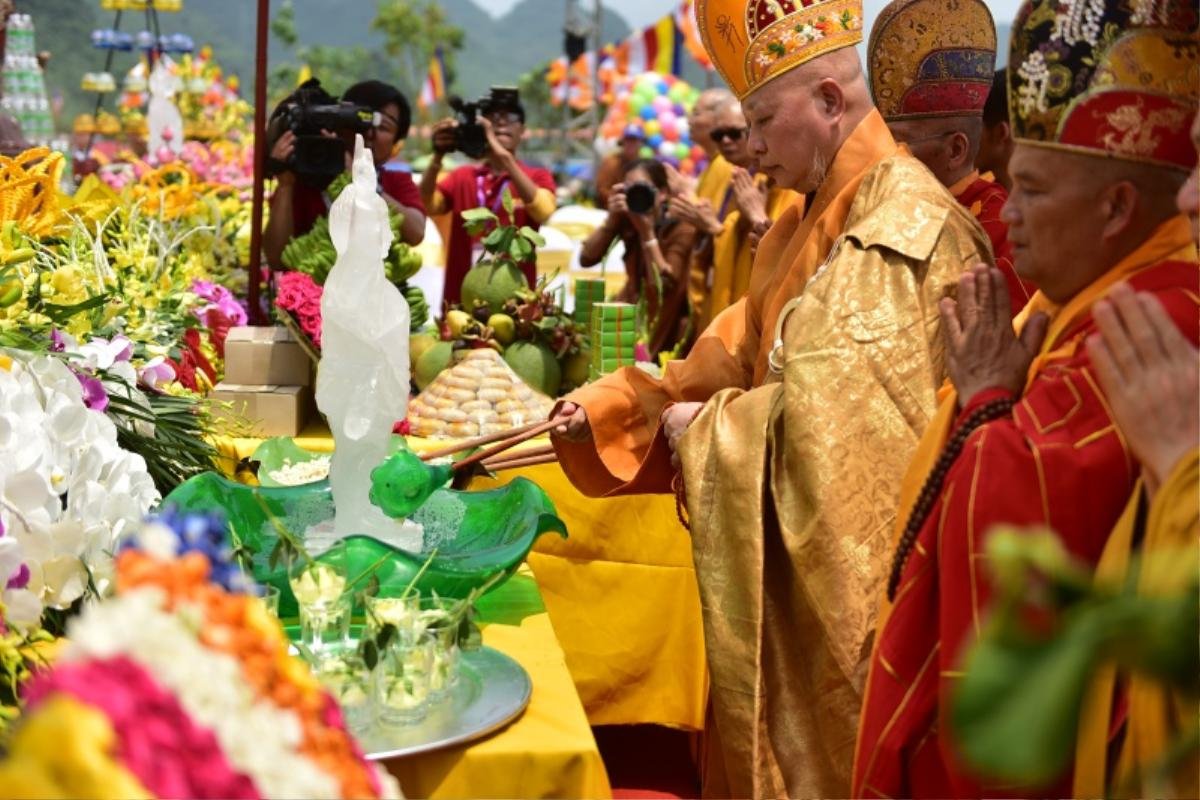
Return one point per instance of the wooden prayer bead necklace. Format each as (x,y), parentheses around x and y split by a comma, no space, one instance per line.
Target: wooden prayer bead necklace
(932,489)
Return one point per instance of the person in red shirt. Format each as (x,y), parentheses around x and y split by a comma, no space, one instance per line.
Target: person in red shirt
(296,204)
(483,184)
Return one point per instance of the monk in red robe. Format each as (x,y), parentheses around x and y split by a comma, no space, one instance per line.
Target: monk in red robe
(931,74)
(1026,436)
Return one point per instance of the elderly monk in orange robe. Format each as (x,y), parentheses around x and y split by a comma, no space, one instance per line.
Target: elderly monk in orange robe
(1027,436)
(796,412)
(750,204)
(930,66)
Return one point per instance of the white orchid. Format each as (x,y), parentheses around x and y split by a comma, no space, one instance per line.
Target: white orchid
(67,489)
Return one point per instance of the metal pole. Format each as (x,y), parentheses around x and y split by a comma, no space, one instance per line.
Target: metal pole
(597,23)
(572,25)
(260,158)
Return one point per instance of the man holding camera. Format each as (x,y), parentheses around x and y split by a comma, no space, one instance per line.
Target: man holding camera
(300,198)
(502,118)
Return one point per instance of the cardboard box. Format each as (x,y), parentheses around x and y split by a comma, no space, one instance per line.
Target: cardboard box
(266,357)
(271,410)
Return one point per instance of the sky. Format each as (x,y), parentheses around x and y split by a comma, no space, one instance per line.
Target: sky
(639,13)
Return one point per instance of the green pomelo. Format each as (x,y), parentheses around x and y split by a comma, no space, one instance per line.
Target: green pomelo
(536,365)
(431,363)
(493,283)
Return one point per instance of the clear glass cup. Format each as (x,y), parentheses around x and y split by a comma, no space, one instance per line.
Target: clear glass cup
(269,595)
(347,678)
(402,679)
(324,605)
(404,613)
(443,617)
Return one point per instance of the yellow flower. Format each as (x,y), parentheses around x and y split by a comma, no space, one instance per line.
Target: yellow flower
(63,749)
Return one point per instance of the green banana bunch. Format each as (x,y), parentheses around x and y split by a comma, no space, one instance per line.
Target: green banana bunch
(311,253)
(418,307)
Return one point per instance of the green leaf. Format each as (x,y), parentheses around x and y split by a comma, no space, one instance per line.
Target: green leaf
(479,215)
(370,653)
(520,250)
(60,314)
(492,240)
(533,236)
(507,201)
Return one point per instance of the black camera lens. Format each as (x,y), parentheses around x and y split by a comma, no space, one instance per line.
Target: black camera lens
(639,197)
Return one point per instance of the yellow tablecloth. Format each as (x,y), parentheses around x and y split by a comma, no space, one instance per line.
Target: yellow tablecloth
(621,592)
(549,751)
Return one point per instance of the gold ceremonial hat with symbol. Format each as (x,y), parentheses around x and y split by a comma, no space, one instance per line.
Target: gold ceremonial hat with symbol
(932,58)
(1117,78)
(753,41)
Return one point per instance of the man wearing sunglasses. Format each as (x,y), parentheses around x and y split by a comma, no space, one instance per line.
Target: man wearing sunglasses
(938,113)
(296,205)
(747,207)
(483,185)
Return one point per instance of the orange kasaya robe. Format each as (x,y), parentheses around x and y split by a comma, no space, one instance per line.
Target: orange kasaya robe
(1059,461)
(816,387)
(983,196)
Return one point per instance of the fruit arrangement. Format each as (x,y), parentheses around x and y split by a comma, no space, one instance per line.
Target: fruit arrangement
(478,395)
(537,339)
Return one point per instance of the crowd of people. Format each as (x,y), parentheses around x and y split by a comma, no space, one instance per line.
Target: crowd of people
(910,303)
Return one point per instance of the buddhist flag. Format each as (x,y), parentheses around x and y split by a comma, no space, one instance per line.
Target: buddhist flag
(434,88)
(689,33)
(655,49)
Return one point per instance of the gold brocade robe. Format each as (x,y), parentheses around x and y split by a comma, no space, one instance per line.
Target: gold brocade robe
(792,479)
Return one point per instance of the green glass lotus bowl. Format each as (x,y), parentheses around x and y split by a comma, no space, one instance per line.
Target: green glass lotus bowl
(481,544)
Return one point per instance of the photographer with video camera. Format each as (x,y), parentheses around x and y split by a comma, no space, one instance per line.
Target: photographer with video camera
(489,130)
(312,139)
(658,248)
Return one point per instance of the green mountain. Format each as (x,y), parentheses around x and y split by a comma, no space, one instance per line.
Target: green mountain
(496,50)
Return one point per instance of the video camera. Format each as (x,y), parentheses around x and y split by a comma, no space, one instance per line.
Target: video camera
(318,159)
(471,139)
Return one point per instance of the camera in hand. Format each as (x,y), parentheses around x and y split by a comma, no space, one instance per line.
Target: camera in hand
(318,159)
(471,139)
(639,197)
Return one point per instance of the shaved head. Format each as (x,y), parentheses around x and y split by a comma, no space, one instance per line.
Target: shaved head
(947,145)
(800,119)
(1073,216)
(700,121)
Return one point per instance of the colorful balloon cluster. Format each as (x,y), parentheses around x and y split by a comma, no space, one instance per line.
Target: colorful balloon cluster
(657,107)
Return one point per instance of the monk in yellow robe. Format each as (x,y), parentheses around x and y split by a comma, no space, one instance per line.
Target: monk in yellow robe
(794,415)
(751,203)
(711,186)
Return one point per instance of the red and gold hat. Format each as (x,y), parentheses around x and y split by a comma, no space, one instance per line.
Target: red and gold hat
(1119,78)
(932,58)
(753,41)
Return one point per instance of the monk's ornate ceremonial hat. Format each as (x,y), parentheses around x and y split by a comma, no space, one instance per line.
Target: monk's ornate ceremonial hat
(753,41)
(1118,78)
(932,58)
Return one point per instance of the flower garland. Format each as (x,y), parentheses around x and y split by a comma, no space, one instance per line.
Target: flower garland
(180,687)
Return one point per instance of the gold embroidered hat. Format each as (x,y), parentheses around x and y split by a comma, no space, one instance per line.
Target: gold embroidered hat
(752,41)
(1109,77)
(932,58)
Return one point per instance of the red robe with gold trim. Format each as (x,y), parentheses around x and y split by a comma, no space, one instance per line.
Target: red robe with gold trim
(984,198)
(1057,461)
